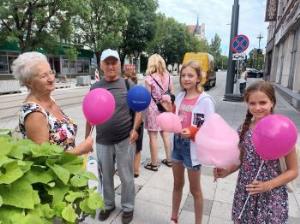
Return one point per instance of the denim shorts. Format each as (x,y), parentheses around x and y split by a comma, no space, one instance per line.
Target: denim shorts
(182,152)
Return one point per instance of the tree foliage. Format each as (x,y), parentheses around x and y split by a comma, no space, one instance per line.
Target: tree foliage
(172,40)
(140,27)
(100,24)
(36,23)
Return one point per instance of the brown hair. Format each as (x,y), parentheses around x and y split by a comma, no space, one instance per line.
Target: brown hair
(262,86)
(130,74)
(196,67)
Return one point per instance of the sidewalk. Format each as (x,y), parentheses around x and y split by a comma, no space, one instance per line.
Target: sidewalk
(154,189)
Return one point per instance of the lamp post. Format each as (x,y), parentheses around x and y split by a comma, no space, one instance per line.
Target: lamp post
(229,96)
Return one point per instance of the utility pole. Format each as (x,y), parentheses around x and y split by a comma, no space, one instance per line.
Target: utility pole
(229,96)
(259,37)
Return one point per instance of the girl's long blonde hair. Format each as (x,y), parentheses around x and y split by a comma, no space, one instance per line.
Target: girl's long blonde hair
(156,64)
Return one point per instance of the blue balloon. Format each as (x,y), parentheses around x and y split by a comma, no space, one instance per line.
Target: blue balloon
(138,98)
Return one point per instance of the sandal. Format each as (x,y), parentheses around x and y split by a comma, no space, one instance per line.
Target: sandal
(174,221)
(150,166)
(167,162)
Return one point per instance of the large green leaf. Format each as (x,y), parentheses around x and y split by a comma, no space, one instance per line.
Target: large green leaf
(79,181)
(8,214)
(62,173)
(58,192)
(4,160)
(19,149)
(69,214)
(19,194)
(11,172)
(95,201)
(38,175)
(85,207)
(6,146)
(72,196)
(45,150)
(72,163)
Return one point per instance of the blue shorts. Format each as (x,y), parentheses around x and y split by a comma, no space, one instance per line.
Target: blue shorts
(182,152)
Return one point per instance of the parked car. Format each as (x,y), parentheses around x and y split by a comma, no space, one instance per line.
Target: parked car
(254,73)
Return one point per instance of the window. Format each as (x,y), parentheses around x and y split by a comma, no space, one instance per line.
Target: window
(4,64)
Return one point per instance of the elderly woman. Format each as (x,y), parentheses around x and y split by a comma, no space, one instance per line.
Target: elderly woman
(41,119)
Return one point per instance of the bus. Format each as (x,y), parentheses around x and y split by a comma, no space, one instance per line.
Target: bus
(207,64)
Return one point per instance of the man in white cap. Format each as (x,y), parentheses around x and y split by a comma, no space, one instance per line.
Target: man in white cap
(115,140)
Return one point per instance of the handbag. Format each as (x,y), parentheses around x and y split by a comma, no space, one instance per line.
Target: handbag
(160,107)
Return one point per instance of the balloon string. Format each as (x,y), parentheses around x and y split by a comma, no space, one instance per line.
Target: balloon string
(91,131)
(240,216)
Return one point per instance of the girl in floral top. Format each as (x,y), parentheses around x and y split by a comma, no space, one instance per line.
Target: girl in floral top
(41,119)
(268,202)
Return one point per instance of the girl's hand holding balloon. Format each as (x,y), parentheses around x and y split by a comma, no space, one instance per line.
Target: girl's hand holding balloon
(257,187)
(186,133)
(221,173)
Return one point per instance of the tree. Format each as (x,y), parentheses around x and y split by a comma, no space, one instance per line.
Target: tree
(101,23)
(215,47)
(140,27)
(38,23)
(255,59)
(172,40)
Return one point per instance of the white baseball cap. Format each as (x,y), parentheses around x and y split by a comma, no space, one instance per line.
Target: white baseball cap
(109,53)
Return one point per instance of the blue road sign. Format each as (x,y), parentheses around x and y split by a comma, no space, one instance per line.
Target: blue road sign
(239,43)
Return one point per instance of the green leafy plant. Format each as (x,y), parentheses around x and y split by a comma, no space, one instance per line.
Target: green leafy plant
(40,183)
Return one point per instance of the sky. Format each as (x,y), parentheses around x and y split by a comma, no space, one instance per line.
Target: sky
(216,14)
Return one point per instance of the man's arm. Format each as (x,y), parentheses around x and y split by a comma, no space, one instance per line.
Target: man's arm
(88,128)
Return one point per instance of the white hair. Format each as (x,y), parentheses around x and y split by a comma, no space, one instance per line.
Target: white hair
(24,67)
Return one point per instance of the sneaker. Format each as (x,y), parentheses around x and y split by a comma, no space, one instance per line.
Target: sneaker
(104,214)
(127,217)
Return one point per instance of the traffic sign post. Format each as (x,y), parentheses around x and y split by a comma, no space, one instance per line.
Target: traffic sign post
(238,56)
(239,43)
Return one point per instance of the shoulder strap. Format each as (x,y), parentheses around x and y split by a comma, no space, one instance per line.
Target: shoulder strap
(157,83)
(127,84)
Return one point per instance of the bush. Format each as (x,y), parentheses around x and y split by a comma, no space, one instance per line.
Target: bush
(40,183)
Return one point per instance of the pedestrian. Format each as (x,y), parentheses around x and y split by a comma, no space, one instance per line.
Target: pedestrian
(268,202)
(130,73)
(160,85)
(243,81)
(193,106)
(40,118)
(115,140)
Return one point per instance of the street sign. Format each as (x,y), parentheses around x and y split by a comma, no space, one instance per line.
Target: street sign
(239,43)
(238,56)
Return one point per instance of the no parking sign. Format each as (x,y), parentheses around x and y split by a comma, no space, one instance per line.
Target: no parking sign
(239,43)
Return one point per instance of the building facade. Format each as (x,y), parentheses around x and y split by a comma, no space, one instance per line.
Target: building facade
(197,30)
(59,62)
(283,48)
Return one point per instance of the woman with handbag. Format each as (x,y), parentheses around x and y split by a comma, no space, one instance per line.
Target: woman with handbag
(160,85)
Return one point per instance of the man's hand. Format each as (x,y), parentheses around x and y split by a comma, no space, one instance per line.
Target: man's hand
(133,136)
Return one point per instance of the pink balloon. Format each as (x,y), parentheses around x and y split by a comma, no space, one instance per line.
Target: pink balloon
(274,136)
(169,122)
(217,143)
(98,106)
